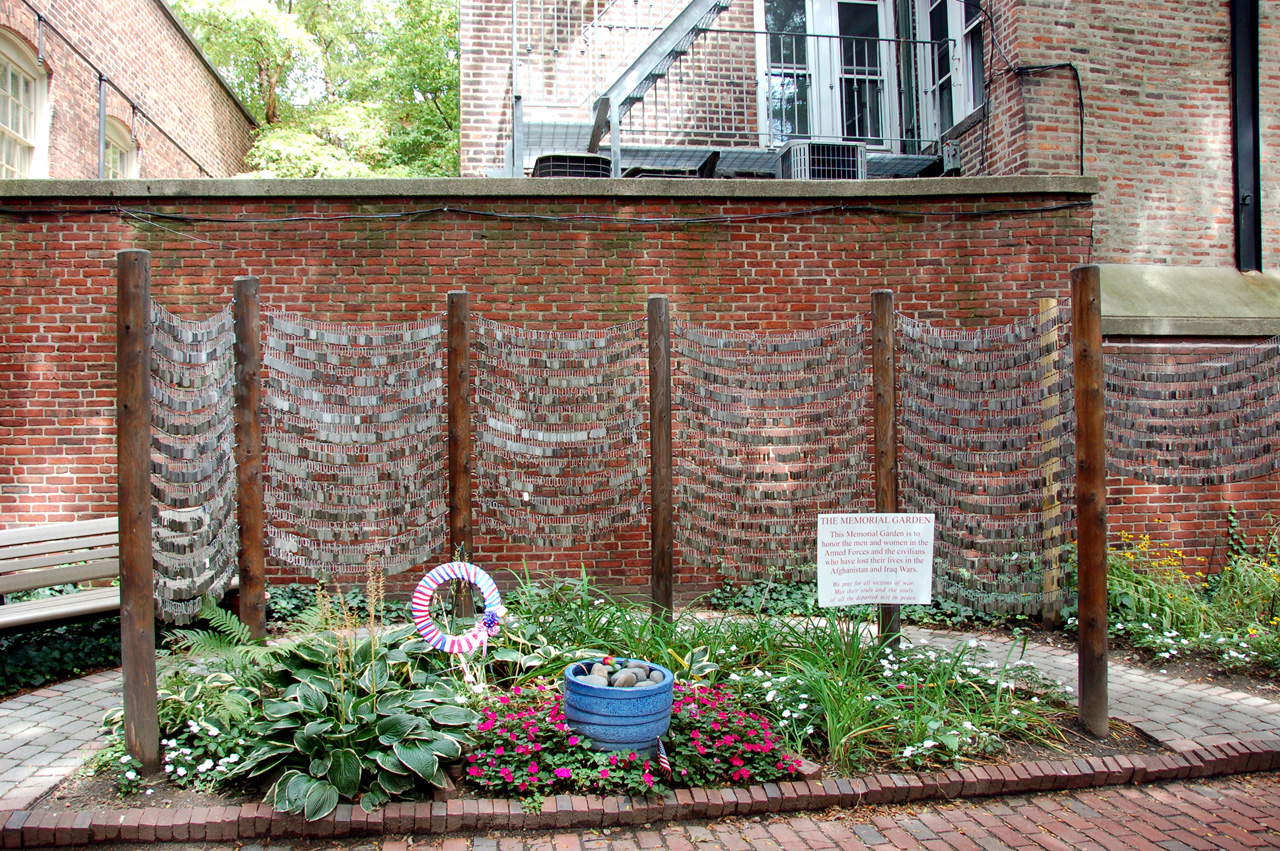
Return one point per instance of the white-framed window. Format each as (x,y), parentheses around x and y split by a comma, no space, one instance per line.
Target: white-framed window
(827,70)
(22,96)
(121,152)
(953,63)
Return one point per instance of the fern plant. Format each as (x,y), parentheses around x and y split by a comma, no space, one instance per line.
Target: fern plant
(227,646)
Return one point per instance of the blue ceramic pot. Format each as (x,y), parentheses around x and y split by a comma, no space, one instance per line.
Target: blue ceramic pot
(617,719)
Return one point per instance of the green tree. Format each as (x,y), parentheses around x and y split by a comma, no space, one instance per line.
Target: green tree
(344,88)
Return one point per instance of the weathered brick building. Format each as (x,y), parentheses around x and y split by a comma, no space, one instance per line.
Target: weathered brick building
(115,90)
(1151,115)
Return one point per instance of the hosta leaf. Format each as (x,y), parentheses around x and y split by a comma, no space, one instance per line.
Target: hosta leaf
(295,793)
(390,762)
(395,727)
(344,772)
(420,759)
(263,760)
(396,656)
(311,653)
(312,699)
(399,634)
(375,676)
(454,716)
(278,794)
(277,709)
(310,745)
(321,799)
(373,799)
(506,654)
(317,728)
(319,683)
(391,703)
(438,779)
(364,653)
(320,765)
(446,747)
(395,783)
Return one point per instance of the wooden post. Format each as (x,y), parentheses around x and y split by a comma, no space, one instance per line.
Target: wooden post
(1051,555)
(1091,496)
(248,399)
(884,396)
(459,393)
(133,504)
(660,534)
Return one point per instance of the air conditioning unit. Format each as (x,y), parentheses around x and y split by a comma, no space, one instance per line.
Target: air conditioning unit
(572,165)
(805,160)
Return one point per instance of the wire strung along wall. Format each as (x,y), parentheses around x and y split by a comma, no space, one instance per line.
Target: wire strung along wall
(987,445)
(193,482)
(770,432)
(1211,421)
(354,444)
(559,424)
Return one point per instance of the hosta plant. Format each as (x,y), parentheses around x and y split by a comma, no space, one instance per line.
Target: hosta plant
(354,718)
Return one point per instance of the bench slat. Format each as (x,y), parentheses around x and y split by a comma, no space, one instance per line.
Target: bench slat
(46,547)
(51,576)
(96,601)
(58,531)
(57,559)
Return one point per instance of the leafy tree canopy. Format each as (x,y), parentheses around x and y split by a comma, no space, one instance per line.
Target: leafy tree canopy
(343,88)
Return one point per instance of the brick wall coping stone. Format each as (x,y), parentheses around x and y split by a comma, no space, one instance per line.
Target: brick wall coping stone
(1207,757)
(390,189)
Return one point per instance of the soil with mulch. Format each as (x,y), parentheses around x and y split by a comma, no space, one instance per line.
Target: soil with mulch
(87,791)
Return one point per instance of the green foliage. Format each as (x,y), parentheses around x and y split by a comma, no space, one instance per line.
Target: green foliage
(345,88)
(354,717)
(115,762)
(227,645)
(35,657)
(716,741)
(286,603)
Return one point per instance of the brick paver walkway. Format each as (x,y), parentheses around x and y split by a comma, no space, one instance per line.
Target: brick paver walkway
(1234,814)
(47,734)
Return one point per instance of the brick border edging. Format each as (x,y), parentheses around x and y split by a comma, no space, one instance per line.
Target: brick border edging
(1211,757)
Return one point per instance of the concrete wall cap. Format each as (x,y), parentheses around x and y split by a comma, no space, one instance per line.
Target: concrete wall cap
(457,189)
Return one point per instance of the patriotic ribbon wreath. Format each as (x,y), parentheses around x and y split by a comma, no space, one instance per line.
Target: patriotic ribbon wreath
(479,636)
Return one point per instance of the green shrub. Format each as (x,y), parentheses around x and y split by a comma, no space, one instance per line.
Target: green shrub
(40,656)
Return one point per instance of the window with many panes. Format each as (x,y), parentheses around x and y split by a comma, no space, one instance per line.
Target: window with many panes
(19,108)
(830,69)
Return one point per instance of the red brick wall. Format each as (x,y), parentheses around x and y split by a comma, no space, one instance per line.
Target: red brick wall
(800,270)
(140,50)
(1194,519)
(1157,118)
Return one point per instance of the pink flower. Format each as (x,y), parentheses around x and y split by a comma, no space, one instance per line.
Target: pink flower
(573,740)
(475,771)
(604,772)
(563,773)
(647,778)
(533,768)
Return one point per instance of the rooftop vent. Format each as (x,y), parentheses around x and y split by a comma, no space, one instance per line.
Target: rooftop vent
(572,165)
(806,160)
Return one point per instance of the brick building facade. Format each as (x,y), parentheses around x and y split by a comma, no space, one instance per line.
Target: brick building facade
(169,113)
(1154,96)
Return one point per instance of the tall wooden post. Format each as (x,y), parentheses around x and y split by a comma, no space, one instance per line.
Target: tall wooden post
(133,504)
(1091,496)
(661,538)
(885,403)
(458,323)
(1050,442)
(248,404)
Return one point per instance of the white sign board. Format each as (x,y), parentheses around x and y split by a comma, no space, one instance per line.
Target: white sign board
(875,558)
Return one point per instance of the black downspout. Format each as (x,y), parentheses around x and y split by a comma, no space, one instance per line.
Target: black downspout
(1246,154)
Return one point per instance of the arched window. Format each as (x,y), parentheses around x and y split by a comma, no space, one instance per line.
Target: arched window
(22,96)
(121,153)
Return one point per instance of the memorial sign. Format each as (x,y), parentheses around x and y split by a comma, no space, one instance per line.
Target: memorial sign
(885,559)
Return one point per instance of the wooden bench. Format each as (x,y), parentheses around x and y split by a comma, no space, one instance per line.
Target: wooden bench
(59,554)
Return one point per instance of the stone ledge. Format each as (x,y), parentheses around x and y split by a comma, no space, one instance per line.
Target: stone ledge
(392,190)
(1212,757)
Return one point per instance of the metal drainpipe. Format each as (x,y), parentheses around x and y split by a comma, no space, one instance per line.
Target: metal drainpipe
(1246,161)
(102,127)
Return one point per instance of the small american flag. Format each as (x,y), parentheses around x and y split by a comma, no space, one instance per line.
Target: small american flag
(664,764)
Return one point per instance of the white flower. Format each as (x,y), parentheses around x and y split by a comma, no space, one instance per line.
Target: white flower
(208,763)
(131,775)
(124,760)
(149,791)
(786,713)
(181,772)
(168,769)
(1014,712)
(768,698)
(928,743)
(802,707)
(973,642)
(907,752)
(235,757)
(968,725)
